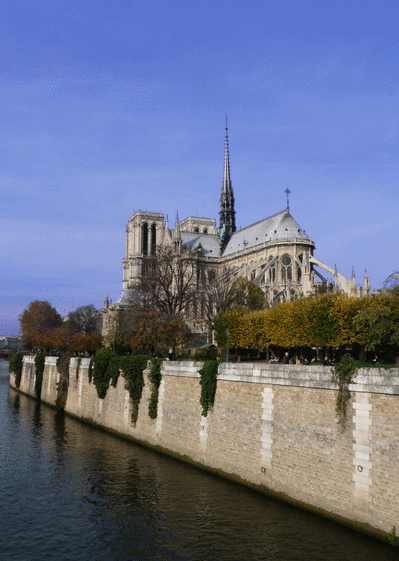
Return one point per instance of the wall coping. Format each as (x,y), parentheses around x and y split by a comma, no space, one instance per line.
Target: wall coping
(369,380)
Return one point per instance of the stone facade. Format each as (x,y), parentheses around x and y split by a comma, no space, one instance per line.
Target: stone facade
(273,426)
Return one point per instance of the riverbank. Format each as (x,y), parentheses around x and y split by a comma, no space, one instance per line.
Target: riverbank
(272,427)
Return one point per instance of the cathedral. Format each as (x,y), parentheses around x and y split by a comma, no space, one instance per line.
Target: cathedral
(274,253)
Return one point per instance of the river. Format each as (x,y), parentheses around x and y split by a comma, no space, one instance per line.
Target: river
(72,492)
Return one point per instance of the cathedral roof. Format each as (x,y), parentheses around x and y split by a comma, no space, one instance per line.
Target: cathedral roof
(280,226)
(208,243)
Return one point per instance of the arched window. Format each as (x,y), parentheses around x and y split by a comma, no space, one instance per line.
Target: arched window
(286,268)
(153,239)
(144,239)
(299,272)
(293,295)
(196,230)
(205,230)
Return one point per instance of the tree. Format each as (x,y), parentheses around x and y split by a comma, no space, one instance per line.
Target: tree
(36,319)
(169,281)
(224,291)
(146,329)
(85,319)
(244,293)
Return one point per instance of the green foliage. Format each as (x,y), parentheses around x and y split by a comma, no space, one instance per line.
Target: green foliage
(328,320)
(246,294)
(78,366)
(133,367)
(378,326)
(210,353)
(91,363)
(105,367)
(15,366)
(40,359)
(100,371)
(208,375)
(343,375)
(230,319)
(155,379)
(393,539)
(113,370)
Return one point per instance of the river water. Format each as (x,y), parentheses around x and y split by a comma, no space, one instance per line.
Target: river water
(72,492)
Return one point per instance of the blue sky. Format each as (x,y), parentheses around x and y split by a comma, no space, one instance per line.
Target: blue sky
(110,107)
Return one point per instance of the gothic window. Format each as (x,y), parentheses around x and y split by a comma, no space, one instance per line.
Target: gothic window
(153,239)
(272,273)
(299,272)
(144,239)
(286,268)
(211,275)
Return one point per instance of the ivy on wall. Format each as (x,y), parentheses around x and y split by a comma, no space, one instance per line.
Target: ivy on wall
(100,372)
(343,375)
(133,368)
(105,368)
(155,379)
(40,359)
(208,375)
(63,384)
(15,366)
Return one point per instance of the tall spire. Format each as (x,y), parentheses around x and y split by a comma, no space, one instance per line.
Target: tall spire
(227,212)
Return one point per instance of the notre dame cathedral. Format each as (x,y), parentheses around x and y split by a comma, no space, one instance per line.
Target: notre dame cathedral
(274,253)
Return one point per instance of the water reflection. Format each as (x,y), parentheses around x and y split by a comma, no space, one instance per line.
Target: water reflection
(87,494)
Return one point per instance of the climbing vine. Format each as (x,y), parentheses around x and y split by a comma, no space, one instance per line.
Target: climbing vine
(208,375)
(15,366)
(343,375)
(78,366)
(133,368)
(393,539)
(63,384)
(100,372)
(114,370)
(91,363)
(40,359)
(155,379)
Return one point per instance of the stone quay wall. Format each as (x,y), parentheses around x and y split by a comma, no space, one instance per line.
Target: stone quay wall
(272,426)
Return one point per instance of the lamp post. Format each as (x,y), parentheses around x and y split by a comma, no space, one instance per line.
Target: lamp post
(227,353)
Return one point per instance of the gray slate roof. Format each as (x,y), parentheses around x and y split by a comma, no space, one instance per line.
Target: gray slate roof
(208,242)
(280,226)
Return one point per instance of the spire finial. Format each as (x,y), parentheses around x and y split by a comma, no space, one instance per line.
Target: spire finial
(227,212)
(287,192)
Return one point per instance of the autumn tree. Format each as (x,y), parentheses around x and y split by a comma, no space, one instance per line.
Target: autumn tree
(146,329)
(36,319)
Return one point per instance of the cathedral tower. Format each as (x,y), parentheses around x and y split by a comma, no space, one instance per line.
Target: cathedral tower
(227,212)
